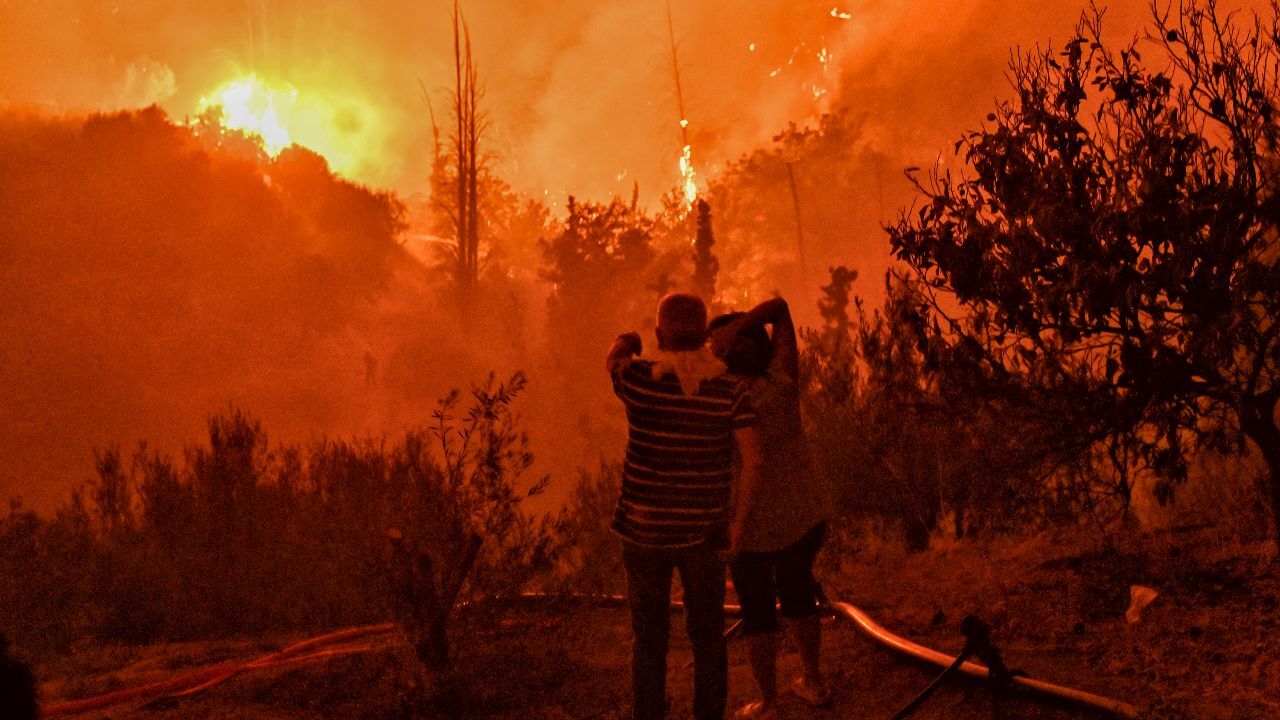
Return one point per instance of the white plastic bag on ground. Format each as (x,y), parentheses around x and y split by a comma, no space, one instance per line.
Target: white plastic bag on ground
(1140,596)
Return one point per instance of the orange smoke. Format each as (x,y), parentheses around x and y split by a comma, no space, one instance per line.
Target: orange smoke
(155,277)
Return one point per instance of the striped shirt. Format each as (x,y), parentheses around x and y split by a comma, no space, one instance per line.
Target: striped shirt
(678,469)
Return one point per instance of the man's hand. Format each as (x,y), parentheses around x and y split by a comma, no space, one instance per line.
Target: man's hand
(732,552)
(631,343)
(625,347)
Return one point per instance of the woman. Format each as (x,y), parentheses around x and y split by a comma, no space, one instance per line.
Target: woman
(779,522)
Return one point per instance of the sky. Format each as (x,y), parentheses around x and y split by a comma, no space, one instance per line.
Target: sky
(580,94)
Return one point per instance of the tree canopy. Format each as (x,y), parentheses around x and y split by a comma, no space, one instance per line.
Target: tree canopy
(1114,234)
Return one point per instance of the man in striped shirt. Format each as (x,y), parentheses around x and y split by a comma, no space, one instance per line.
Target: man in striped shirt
(684,416)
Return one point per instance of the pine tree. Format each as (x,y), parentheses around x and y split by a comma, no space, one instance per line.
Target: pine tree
(705,264)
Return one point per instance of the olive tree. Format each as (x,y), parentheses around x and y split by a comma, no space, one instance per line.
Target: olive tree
(1115,230)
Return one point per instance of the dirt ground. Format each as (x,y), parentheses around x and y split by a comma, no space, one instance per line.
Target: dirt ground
(1207,648)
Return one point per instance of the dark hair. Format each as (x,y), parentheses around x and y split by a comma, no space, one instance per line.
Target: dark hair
(751,350)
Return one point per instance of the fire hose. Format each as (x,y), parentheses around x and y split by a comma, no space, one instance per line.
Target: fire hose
(977,642)
(204,678)
(1038,688)
(331,645)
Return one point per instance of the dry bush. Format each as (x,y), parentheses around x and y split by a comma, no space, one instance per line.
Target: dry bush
(242,538)
(592,561)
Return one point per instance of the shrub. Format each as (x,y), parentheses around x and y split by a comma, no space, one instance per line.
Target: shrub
(242,538)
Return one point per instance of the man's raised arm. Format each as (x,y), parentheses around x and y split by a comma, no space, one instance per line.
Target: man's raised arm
(786,351)
(773,312)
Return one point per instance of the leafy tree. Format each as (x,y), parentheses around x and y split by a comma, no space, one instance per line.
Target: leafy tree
(602,251)
(485,455)
(475,531)
(950,416)
(800,200)
(512,225)
(1115,238)
(913,426)
(869,400)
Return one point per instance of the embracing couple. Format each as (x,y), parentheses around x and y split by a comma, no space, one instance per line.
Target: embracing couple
(686,505)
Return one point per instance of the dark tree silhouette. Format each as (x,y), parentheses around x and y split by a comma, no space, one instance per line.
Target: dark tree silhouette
(830,357)
(705,264)
(833,306)
(459,168)
(1117,233)
(602,251)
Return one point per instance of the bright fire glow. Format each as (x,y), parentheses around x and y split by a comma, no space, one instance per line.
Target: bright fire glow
(250,106)
(336,124)
(690,179)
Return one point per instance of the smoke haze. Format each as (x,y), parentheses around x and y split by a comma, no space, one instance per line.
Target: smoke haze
(581,93)
(149,284)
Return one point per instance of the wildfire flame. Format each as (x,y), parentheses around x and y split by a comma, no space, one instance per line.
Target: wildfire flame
(332,121)
(690,183)
(250,106)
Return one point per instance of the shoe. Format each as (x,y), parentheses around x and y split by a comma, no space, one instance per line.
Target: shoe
(815,694)
(755,711)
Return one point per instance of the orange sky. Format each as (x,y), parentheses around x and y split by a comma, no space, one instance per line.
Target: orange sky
(580,92)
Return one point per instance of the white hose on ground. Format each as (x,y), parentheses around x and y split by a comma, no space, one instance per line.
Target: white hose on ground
(875,631)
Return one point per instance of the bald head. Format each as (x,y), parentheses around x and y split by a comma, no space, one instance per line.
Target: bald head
(682,322)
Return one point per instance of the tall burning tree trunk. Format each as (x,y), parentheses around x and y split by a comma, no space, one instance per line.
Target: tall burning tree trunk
(468,127)
(460,234)
(473,173)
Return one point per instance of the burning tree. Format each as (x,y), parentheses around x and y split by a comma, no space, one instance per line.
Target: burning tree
(1118,235)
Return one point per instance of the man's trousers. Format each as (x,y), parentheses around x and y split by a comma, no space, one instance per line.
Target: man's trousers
(702,574)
